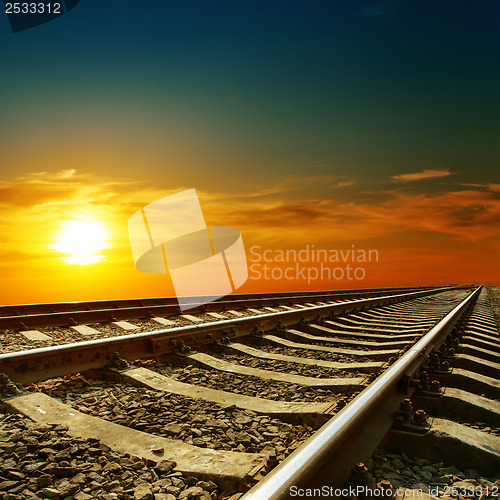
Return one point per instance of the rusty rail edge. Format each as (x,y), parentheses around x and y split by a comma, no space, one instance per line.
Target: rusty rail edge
(26,316)
(357,429)
(40,364)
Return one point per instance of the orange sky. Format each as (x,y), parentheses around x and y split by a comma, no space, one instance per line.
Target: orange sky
(450,236)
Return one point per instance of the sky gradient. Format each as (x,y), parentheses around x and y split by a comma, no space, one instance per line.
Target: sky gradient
(365,123)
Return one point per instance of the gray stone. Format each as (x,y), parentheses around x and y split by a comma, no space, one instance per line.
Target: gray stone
(67,488)
(441,480)
(79,478)
(173,490)
(7,485)
(192,492)
(243,438)
(421,462)
(420,487)
(111,485)
(82,496)
(430,469)
(426,475)
(61,471)
(143,492)
(15,475)
(199,442)
(207,485)
(471,473)
(44,481)
(398,464)
(406,472)
(448,470)
(48,492)
(173,429)
(165,466)
(216,423)
(392,475)
(93,476)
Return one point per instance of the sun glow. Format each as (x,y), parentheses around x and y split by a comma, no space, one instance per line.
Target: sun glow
(81,240)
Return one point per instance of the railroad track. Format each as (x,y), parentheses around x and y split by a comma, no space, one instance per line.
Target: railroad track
(266,403)
(30,326)
(25,316)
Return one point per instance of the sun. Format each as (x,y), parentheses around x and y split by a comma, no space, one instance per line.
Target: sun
(81,241)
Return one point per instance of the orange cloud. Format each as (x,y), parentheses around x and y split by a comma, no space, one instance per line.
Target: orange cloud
(287,213)
(470,215)
(418,176)
(491,187)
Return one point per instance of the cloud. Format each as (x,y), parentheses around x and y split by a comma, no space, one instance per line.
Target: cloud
(289,211)
(434,236)
(467,215)
(299,184)
(464,215)
(418,176)
(490,186)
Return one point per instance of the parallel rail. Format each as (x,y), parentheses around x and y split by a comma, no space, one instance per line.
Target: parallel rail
(356,430)
(71,313)
(43,363)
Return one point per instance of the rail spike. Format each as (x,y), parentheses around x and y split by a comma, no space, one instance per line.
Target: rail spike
(118,363)
(304,323)
(319,320)
(410,421)
(182,349)
(361,477)
(258,332)
(7,387)
(281,327)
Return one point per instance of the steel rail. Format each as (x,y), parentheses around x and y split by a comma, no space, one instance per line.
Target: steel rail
(16,310)
(39,364)
(297,469)
(71,313)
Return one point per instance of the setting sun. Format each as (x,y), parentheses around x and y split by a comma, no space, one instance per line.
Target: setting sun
(81,240)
